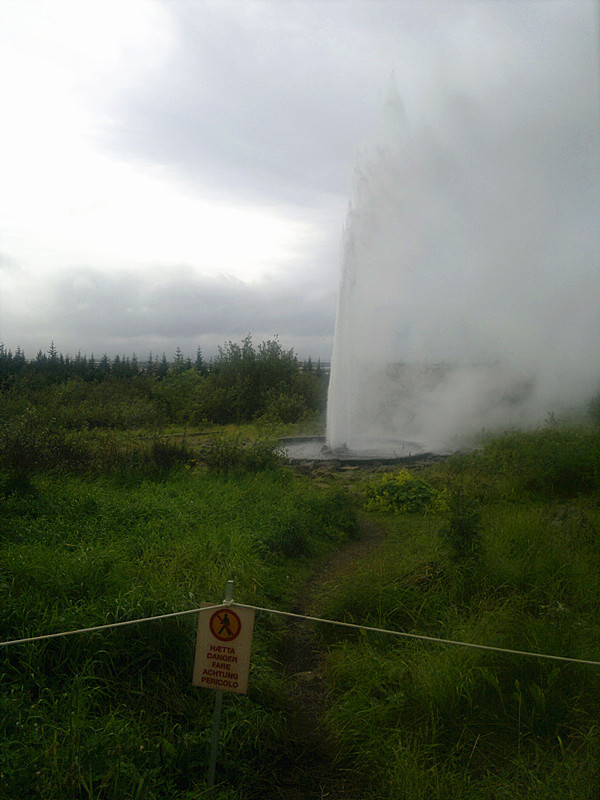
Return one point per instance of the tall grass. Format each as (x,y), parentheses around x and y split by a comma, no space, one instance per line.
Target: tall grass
(113,714)
(499,547)
(436,721)
(553,462)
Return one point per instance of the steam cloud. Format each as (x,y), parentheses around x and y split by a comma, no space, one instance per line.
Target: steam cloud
(470,279)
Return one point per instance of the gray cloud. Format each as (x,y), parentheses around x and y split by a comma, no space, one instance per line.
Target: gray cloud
(273,98)
(265,103)
(170,307)
(269,98)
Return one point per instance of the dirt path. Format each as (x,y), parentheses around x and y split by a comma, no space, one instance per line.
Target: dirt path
(310,770)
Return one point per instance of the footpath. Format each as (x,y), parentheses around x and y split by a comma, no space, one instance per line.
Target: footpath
(310,769)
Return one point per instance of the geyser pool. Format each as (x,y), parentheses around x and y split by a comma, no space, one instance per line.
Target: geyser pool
(314,448)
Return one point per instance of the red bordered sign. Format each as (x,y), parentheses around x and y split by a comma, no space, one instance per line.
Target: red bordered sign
(225,625)
(223,647)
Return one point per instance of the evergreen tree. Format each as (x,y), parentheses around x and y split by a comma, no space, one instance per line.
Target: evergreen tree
(178,363)
(80,364)
(163,367)
(19,360)
(199,363)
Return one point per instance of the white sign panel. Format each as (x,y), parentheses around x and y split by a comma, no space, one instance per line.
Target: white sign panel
(223,649)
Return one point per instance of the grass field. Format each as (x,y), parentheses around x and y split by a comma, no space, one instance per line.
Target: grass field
(113,714)
(498,547)
(513,561)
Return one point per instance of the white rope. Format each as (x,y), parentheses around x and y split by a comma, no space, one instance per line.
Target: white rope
(109,625)
(423,638)
(354,626)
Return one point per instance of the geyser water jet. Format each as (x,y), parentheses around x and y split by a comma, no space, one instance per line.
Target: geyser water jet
(454,314)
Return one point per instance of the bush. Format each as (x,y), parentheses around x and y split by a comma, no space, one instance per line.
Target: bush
(311,517)
(291,537)
(402,491)
(550,462)
(230,454)
(35,443)
(32,442)
(463,532)
(286,408)
(165,456)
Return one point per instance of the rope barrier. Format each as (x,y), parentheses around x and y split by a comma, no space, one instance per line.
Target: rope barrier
(352,625)
(434,639)
(109,625)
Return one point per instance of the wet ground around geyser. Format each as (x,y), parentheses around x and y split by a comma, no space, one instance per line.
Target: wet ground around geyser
(314,449)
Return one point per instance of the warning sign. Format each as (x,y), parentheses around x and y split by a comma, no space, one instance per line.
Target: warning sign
(223,649)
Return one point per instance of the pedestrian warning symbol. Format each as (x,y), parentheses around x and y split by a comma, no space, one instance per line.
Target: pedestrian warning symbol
(225,625)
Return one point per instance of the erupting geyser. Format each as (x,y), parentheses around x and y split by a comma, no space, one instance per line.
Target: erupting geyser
(461,303)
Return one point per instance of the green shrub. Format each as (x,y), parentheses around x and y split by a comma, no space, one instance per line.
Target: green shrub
(285,407)
(291,537)
(295,529)
(32,442)
(231,454)
(165,456)
(462,535)
(402,491)
(553,462)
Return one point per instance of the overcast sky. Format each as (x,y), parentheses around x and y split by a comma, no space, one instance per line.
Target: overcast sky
(177,172)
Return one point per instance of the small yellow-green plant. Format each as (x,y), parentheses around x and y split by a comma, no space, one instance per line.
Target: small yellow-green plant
(403,491)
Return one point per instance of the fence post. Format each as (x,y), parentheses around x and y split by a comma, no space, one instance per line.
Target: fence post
(217,717)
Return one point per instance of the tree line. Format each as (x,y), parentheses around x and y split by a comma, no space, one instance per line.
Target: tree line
(56,366)
(243,382)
